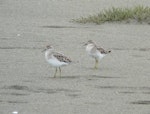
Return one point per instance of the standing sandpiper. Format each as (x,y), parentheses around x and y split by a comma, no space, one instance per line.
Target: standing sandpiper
(55,59)
(96,52)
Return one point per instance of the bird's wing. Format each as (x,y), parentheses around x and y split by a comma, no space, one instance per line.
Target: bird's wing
(101,50)
(61,57)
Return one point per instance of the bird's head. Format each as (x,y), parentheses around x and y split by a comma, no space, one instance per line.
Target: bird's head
(89,42)
(48,47)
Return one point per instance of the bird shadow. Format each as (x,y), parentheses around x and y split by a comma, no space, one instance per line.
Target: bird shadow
(64,77)
(97,69)
(102,76)
(83,76)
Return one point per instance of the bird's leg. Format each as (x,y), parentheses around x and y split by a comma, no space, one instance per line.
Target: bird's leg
(96,64)
(55,73)
(60,71)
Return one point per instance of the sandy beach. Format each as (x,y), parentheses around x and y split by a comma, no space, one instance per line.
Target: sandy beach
(121,85)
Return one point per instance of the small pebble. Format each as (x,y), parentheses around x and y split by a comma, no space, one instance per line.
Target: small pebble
(18,34)
(15,112)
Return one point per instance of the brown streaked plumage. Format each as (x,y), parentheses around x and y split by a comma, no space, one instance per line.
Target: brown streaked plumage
(101,50)
(56,59)
(61,57)
(96,52)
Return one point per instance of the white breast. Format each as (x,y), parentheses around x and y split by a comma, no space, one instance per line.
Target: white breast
(89,48)
(95,54)
(53,61)
(99,55)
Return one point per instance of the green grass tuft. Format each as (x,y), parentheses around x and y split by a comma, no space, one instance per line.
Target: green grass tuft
(139,14)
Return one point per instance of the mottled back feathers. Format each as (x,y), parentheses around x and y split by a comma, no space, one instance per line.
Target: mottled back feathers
(61,57)
(102,51)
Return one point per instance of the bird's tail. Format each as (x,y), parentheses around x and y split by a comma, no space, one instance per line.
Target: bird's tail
(109,51)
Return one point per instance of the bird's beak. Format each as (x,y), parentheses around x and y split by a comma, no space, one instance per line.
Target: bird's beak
(84,44)
(44,50)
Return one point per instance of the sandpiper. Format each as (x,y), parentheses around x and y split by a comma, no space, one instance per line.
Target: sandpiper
(95,52)
(55,59)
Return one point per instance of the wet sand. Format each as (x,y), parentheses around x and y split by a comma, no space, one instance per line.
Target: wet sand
(120,85)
